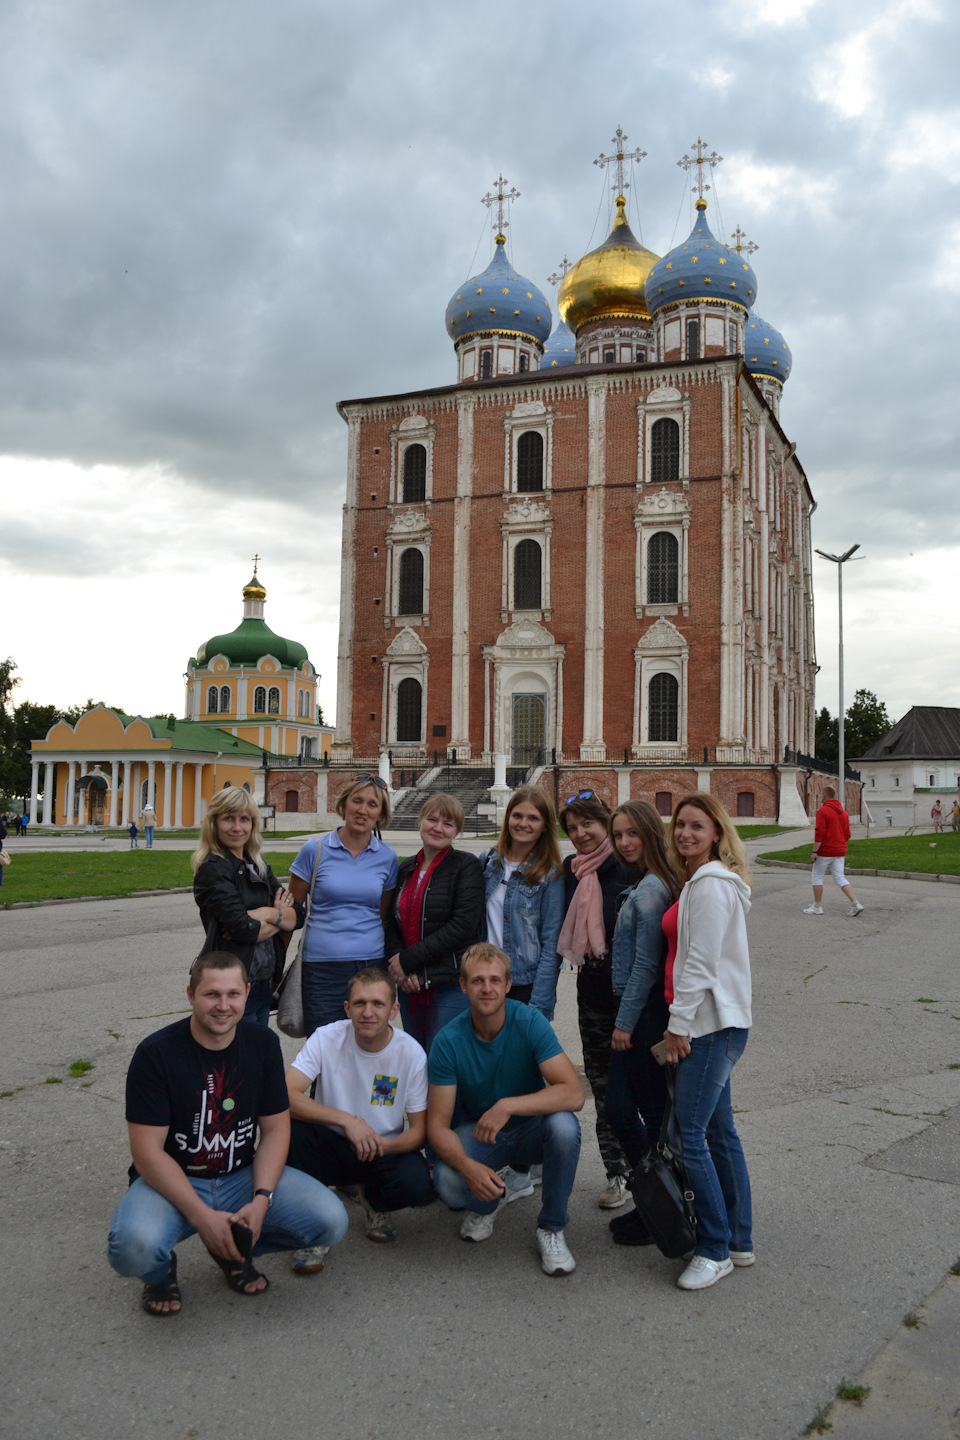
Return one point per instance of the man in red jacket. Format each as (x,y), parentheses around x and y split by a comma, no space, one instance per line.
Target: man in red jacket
(829,848)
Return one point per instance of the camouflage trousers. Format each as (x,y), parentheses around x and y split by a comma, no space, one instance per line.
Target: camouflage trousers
(597,1008)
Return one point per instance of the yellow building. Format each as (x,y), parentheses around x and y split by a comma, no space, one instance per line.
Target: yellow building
(251,702)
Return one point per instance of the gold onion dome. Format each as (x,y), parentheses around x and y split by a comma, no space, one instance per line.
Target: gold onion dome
(253,590)
(609,281)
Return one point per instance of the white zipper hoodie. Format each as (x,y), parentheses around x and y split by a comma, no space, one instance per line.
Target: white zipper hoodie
(711,974)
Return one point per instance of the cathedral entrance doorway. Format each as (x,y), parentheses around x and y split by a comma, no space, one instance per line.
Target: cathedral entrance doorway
(528,731)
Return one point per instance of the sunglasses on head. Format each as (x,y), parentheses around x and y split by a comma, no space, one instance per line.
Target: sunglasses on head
(377,780)
(584,795)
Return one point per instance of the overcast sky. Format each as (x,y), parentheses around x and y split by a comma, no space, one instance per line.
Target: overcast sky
(218,219)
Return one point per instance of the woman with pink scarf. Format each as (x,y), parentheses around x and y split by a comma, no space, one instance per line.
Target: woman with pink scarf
(594,880)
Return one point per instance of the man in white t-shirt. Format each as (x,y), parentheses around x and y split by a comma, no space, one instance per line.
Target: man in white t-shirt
(369,1077)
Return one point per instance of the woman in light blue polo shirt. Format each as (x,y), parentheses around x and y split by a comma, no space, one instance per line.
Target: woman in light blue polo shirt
(354,885)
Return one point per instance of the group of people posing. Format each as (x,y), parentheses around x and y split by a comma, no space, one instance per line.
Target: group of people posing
(474,1101)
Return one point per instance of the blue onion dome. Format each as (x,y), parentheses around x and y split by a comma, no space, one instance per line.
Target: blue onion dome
(498,299)
(701,269)
(767,353)
(560,349)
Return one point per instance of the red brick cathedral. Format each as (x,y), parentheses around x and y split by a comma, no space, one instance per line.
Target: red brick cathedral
(591,554)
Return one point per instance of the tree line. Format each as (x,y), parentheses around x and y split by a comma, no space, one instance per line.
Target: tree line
(19,724)
(865,722)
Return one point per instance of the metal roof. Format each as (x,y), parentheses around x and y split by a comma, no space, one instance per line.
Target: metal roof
(926,732)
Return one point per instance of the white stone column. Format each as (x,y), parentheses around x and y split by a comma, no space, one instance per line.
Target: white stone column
(731,740)
(167,797)
(127,787)
(114,790)
(342,740)
(197,791)
(151,782)
(178,811)
(592,745)
(460,659)
(49,789)
(34,789)
(71,789)
(763,585)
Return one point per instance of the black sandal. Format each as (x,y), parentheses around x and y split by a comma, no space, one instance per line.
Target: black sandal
(165,1291)
(240,1274)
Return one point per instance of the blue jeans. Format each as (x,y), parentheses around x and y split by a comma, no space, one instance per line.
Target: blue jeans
(148,829)
(146,1227)
(636,1090)
(553,1140)
(390,1182)
(426,1012)
(712,1151)
(258,1003)
(323,987)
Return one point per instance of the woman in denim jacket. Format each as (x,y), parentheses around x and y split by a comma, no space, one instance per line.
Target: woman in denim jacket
(636,1093)
(523,886)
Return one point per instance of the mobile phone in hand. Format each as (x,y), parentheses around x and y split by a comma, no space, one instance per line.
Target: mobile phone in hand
(659,1052)
(242,1238)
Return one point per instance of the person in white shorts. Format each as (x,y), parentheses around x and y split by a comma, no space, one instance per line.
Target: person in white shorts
(829,851)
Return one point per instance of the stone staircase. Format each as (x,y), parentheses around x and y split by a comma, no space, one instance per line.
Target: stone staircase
(469,783)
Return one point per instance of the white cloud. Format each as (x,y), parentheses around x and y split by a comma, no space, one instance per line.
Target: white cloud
(782,12)
(763,185)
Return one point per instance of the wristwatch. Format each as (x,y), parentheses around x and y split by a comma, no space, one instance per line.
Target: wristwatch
(279,918)
(267,1193)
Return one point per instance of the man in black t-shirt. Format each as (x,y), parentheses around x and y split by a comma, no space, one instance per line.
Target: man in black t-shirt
(197,1092)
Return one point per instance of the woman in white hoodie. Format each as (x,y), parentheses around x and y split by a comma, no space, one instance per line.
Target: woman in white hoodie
(708,991)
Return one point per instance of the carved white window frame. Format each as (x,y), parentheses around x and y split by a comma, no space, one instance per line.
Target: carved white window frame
(662,650)
(406,658)
(526,519)
(663,510)
(663,404)
(412,430)
(528,415)
(410,530)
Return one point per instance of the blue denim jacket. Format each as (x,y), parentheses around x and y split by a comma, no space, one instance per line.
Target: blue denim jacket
(532,916)
(639,947)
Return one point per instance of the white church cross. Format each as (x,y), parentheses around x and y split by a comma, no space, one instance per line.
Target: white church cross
(741,244)
(621,158)
(563,267)
(700,159)
(503,199)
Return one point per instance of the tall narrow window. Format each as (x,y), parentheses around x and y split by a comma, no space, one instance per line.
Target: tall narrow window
(664,451)
(693,339)
(609,357)
(663,569)
(530,461)
(273,701)
(527,576)
(664,802)
(409,709)
(524,361)
(224,699)
(259,700)
(486,364)
(745,802)
(414,474)
(641,356)
(664,707)
(213,696)
(410,598)
(732,332)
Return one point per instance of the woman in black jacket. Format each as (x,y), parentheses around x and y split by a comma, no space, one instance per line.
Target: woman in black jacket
(243,907)
(436,914)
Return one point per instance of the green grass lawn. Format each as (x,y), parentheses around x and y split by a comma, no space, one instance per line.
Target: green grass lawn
(897,852)
(46,876)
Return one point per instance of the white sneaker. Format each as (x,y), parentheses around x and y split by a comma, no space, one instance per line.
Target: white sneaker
(555,1258)
(309,1261)
(701,1273)
(378,1224)
(813,910)
(855,908)
(536,1174)
(519,1183)
(480,1227)
(742,1258)
(614,1193)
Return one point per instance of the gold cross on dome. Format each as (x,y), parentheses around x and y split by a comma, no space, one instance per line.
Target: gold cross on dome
(563,267)
(741,244)
(621,158)
(699,160)
(503,199)
(256,562)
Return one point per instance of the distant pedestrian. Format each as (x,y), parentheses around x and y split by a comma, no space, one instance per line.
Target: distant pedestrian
(6,858)
(148,819)
(24,823)
(955,816)
(133,832)
(829,848)
(16,824)
(936,815)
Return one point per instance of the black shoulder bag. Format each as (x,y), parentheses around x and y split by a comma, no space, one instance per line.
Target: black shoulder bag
(662,1191)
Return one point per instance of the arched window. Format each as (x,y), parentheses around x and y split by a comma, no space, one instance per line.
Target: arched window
(664,707)
(664,451)
(524,361)
(410,597)
(409,707)
(530,461)
(414,473)
(259,700)
(527,576)
(291,801)
(663,569)
(486,364)
(213,694)
(224,699)
(693,339)
(273,701)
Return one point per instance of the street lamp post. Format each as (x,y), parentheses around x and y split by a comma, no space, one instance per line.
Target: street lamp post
(839,561)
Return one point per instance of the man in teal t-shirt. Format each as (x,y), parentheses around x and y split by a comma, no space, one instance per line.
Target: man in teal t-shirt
(502,1066)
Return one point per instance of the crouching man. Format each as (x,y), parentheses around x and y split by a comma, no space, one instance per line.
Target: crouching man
(500,1066)
(197,1091)
(369,1076)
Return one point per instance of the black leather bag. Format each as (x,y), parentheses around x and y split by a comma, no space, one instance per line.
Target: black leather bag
(662,1192)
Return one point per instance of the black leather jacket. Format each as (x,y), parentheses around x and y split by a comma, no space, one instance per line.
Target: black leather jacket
(452,907)
(225,889)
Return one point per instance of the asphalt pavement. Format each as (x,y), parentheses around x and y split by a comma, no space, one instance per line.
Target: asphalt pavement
(848,1100)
